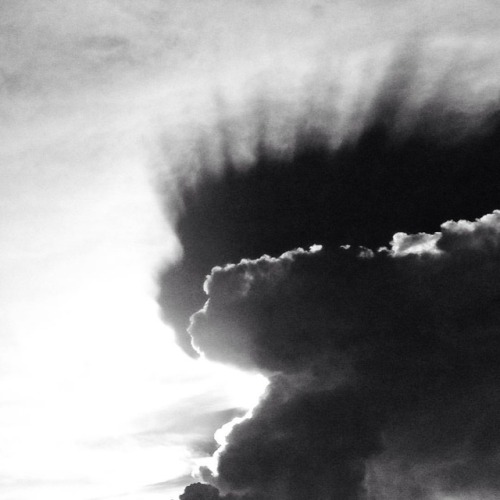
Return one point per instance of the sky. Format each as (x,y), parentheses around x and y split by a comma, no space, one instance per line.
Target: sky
(325,174)
(96,397)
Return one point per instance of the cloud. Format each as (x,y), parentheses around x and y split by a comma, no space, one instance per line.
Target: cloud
(381,364)
(360,192)
(360,124)
(199,491)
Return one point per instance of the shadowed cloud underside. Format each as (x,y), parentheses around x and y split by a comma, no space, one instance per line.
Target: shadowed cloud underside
(359,194)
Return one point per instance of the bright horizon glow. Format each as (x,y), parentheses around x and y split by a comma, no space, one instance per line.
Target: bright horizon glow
(76,407)
(96,398)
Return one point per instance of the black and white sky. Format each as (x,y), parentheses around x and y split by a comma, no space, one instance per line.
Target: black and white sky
(250,250)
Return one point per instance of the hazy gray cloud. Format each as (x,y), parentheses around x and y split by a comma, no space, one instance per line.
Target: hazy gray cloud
(336,73)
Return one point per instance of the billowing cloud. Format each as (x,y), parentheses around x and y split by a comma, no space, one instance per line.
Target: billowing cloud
(383,367)
(199,491)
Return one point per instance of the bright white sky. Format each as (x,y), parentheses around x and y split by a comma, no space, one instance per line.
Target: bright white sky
(95,398)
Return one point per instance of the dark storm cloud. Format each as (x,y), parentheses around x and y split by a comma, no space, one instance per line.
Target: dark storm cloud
(381,364)
(199,491)
(397,174)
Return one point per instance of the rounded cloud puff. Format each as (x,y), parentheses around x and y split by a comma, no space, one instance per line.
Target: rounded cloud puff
(375,359)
